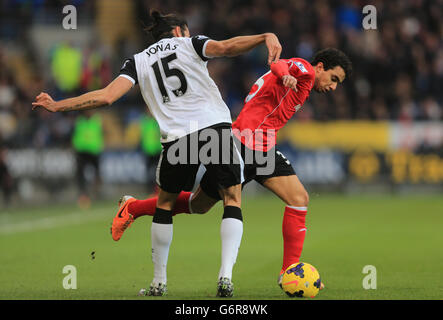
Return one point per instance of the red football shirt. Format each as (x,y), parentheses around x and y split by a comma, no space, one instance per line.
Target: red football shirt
(270,105)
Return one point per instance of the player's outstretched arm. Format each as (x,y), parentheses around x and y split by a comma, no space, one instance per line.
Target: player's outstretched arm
(242,44)
(90,100)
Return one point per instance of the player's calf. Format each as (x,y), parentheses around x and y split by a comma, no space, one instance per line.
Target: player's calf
(200,202)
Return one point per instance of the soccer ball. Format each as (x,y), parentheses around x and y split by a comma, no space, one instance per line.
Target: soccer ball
(301,280)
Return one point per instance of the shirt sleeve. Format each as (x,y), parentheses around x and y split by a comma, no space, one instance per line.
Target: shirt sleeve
(305,76)
(297,68)
(129,71)
(280,68)
(199,43)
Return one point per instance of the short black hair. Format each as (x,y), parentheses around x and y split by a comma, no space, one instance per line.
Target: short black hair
(331,58)
(161,26)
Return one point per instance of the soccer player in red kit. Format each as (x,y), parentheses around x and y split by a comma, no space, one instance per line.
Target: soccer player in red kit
(272,101)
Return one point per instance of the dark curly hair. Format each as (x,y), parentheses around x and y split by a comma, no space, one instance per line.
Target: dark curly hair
(161,26)
(331,58)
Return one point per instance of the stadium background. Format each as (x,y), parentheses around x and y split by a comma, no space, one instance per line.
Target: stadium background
(380,134)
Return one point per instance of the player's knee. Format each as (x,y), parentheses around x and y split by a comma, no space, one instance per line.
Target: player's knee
(299,199)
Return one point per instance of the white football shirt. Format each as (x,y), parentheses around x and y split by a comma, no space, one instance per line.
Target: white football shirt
(175,84)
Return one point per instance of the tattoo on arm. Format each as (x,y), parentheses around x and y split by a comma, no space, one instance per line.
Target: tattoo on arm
(90,104)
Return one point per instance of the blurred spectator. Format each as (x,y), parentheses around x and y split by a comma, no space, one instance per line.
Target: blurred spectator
(6,181)
(96,71)
(88,144)
(430,109)
(151,147)
(7,97)
(66,67)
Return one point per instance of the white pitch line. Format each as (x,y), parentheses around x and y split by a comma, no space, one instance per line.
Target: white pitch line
(56,222)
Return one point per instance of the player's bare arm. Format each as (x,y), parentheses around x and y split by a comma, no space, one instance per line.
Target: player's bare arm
(90,100)
(242,44)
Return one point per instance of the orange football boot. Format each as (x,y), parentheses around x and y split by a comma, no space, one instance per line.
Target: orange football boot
(123,219)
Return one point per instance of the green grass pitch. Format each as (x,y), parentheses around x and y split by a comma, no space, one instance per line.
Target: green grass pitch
(401,236)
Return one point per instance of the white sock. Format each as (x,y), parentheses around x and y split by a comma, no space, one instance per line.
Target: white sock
(161,238)
(231,232)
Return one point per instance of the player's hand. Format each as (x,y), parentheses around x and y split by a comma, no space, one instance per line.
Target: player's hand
(274,48)
(290,82)
(44,100)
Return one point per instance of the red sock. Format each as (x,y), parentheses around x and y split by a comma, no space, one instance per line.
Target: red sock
(182,203)
(147,207)
(294,231)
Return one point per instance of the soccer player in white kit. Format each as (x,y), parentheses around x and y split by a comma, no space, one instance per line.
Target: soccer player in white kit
(176,86)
